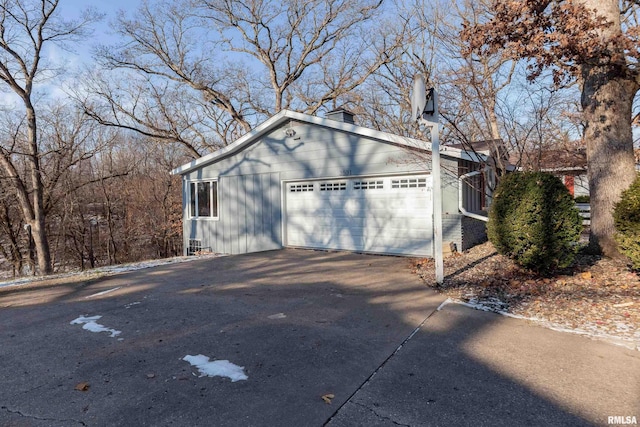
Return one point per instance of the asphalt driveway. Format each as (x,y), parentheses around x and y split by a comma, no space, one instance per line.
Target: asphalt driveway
(322,338)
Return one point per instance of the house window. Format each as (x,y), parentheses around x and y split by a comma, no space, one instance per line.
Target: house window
(297,188)
(333,186)
(203,199)
(409,183)
(368,185)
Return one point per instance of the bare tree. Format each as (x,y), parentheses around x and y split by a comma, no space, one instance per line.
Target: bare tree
(484,101)
(383,102)
(470,88)
(542,119)
(26,28)
(161,110)
(67,141)
(11,232)
(232,64)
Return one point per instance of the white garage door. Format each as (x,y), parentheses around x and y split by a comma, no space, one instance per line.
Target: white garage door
(384,215)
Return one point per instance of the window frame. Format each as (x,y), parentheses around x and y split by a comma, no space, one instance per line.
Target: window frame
(193,207)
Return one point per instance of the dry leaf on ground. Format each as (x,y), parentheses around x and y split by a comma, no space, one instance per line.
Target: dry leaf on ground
(328,398)
(83,386)
(596,294)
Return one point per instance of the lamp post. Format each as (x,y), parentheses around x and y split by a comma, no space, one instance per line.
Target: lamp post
(424,109)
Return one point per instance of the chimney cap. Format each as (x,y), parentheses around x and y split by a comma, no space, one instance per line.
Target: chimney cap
(341,114)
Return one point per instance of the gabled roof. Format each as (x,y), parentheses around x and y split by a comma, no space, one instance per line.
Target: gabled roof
(285,115)
(552,160)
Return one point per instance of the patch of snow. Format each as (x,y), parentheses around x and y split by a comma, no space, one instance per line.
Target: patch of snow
(590,331)
(623,327)
(89,324)
(103,292)
(445,303)
(217,368)
(107,270)
(277,316)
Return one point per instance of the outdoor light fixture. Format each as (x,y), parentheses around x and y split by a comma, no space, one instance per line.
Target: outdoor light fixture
(289,131)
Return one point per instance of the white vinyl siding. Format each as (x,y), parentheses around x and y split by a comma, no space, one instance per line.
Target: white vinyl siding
(254,202)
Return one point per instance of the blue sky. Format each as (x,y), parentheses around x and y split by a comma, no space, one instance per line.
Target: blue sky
(102,32)
(81,53)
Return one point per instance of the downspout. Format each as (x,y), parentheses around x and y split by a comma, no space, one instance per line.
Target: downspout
(461,208)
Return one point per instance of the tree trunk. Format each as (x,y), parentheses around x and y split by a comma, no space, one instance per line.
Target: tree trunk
(38,223)
(607,98)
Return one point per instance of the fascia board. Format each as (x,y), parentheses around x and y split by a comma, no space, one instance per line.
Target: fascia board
(257,132)
(286,115)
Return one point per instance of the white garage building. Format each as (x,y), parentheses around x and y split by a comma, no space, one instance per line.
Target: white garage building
(303,181)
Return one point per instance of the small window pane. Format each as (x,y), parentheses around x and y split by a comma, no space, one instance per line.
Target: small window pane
(333,186)
(297,188)
(204,199)
(192,201)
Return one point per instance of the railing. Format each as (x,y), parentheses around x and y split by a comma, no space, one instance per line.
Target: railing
(585,212)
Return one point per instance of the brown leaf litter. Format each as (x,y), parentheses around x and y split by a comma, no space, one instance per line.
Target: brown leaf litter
(595,296)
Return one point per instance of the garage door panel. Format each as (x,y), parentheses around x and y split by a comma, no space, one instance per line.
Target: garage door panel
(419,215)
(386,232)
(398,205)
(310,223)
(327,239)
(396,228)
(368,215)
(401,248)
(337,211)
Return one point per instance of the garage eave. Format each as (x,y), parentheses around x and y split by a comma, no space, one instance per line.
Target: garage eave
(286,115)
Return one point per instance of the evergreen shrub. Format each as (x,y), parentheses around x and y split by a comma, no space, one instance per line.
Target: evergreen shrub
(626,216)
(533,220)
(582,199)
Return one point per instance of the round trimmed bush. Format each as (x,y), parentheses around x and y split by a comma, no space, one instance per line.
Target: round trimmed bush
(533,220)
(626,216)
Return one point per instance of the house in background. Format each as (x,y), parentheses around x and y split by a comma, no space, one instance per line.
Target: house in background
(568,164)
(298,180)
(496,163)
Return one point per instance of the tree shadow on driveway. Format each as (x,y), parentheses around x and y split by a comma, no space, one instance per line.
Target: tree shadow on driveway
(303,324)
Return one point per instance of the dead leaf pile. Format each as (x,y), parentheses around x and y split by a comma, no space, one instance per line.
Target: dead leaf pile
(597,295)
